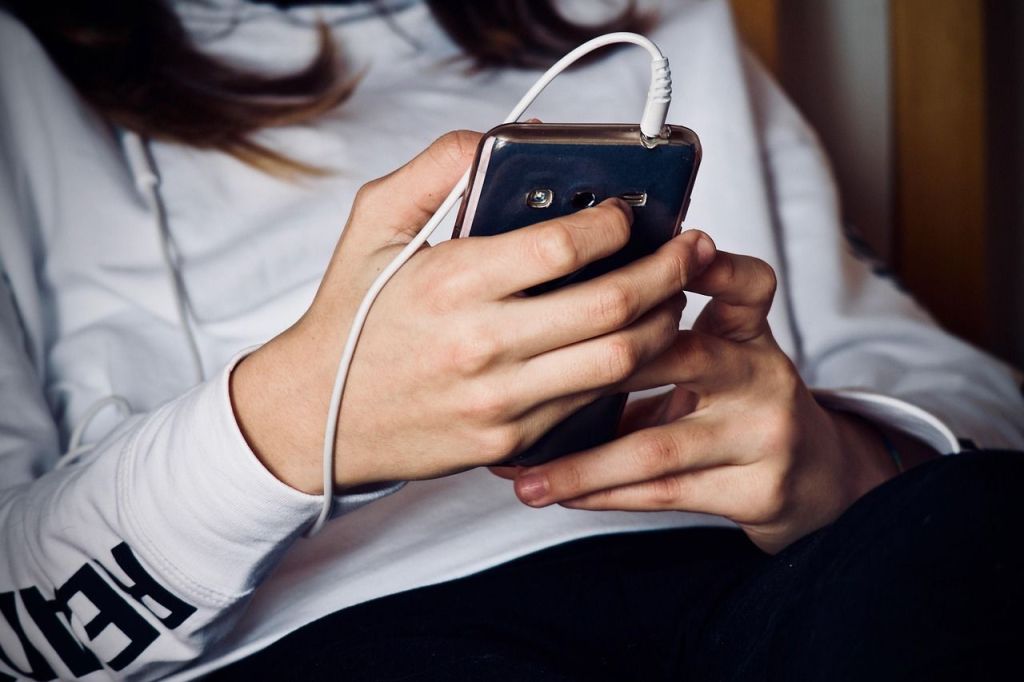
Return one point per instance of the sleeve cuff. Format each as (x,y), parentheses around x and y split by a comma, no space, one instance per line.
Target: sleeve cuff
(203,506)
(892,412)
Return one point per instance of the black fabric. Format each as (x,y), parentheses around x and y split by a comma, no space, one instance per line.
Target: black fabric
(922,579)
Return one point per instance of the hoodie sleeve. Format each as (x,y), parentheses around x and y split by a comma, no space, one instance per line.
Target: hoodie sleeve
(132,559)
(866,346)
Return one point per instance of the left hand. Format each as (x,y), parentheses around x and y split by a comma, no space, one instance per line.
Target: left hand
(739,436)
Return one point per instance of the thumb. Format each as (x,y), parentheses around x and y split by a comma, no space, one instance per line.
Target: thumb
(397,205)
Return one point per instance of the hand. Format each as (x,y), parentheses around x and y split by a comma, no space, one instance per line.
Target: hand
(739,436)
(454,368)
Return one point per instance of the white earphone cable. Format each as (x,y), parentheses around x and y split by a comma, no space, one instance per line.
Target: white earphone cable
(659,96)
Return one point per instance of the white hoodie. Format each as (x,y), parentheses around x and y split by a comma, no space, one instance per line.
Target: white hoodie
(167,546)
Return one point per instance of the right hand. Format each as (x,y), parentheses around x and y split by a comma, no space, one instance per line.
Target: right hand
(455,368)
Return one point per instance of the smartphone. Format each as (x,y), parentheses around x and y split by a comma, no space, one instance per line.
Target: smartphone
(525,173)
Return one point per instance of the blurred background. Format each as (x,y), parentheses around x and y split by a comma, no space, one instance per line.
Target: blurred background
(920,104)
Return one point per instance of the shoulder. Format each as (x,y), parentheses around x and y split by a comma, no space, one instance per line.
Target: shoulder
(34,95)
(23,58)
(35,99)
(13,32)
(43,124)
(43,120)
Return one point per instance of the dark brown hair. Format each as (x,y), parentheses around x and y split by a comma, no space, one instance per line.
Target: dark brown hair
(134,62)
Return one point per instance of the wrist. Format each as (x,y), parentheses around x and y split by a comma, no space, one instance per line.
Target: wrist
(280,411)
(864,449)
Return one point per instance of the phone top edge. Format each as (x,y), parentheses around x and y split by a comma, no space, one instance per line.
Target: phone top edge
(585,133)
(565,133)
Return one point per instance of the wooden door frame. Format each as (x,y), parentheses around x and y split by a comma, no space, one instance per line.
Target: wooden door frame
(939,134)
(940,228)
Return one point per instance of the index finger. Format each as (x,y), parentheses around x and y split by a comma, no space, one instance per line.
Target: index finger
(742,289)
(554,248)
(689,444)
(610,302)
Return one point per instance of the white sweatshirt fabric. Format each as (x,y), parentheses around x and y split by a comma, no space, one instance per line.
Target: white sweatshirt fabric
(165,547)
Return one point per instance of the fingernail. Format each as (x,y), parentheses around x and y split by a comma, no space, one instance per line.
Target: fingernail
(705,249)
(531,488)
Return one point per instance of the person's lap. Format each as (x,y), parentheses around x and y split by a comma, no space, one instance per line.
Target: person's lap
(921,579)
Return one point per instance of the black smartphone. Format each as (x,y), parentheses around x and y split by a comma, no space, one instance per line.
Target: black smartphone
(525,173)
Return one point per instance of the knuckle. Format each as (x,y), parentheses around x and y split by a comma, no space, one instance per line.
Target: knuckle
(454,148)
(783,377)
(474,351)
(601,499)
(667,320)
(368,193)
(654,455)
(780,433)
(486,406)
(765,280)
(555,248)
(441,292)
(677,266)
(446,277)
(616,305)
(728,271)
(498,443)
(774,496)
(570,481)
(663,324)
(664,492)
(622,359)
(450,286)
(694,353)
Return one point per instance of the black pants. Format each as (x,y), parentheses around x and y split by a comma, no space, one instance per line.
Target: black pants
(922,579)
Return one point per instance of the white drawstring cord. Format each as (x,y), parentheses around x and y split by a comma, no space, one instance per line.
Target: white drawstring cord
(147,181)
(75,446)
(659,96)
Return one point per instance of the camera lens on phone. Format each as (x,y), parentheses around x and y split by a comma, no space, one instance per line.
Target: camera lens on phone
(539,198)
(583,200)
